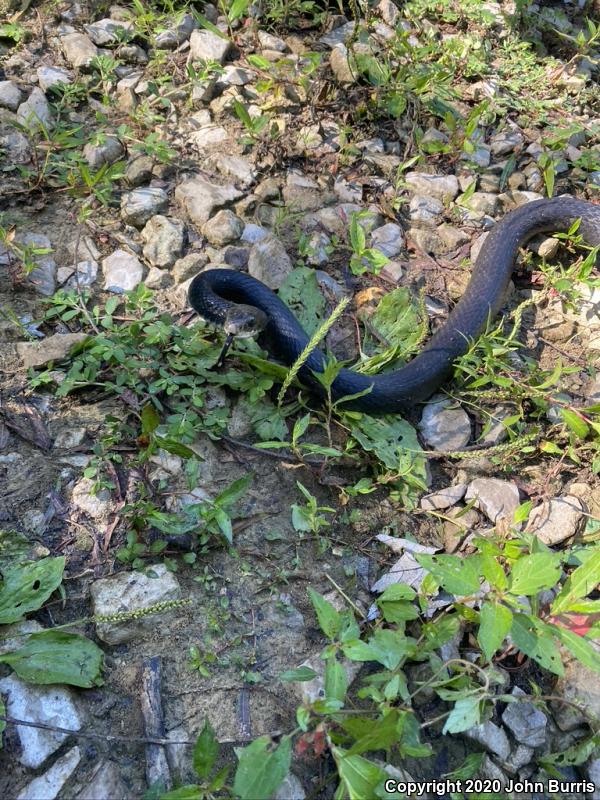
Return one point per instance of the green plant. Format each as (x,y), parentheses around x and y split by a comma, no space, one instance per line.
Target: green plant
(363,258)
(309,517)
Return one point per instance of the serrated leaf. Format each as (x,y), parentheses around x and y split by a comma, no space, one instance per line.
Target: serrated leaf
(532,638)
(26,588)
(458,576)
(465,714)
(336,681)
(531,574)
(261,770)
(386,646)
(206,751)
(358,776)
(379,734)
(574,422)
(494,625)
(581,648)
(580,583)
(329,618)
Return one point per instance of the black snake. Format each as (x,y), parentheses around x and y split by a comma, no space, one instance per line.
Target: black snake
(217,293)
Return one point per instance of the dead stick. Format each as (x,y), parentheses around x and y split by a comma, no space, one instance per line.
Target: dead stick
(157,767)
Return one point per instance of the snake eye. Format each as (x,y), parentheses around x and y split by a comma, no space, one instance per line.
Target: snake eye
(244,321)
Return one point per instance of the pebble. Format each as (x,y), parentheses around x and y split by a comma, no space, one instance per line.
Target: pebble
(49,785)
(49,77)
(163,238)
(139,205)
(98,505)
(52,348)
(43,276)
(526,722)
(108,31)
(254,233)
(122,271)
(173,37)
(132,591)
(11,96)
(338,35)
(445,426)
(209,136)
(497,499)
(79,49)
(158,278)
(557,519)
(35,111)
(107,152)
(442,187)
(49,705)
(269,262)
(505,142)
(139,170)
(208,46)
(339,62)
(236,167)
(319,247)
(485,202)
(188,266)
(444,498)
(425,210)
(580,685)
(388,239)
(200,198)
(491,737)
(223,228)
(496,431)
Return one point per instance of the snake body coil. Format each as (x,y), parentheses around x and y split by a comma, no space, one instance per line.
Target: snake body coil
(213,292)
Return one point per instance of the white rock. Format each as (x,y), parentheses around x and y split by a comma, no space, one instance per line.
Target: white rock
(163,239)
(444,498)
(79,49)
(208,46)
(48,785)
(48,77)
(35,111)
(442,187)
(526,722)
(208,136)
(497,499)
(200,198)
(98,506)
(10,95)
(388,239)
(269,262)
(122,271)
(139,205)
(490,736)
(557,519)
(445,426)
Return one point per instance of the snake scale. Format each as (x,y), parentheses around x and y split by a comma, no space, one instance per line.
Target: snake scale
(215,293)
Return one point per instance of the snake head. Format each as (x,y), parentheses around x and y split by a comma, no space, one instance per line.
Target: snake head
(244,321)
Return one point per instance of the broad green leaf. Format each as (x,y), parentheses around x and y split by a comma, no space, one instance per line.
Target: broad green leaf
(458,576)
(261,770)
(57,657)
(579,584)
(409,737)
(465,714)
(300,291)
(150,418)
(531,574)
(359,776)
(329,619)
(174,446)
(532,638)
(206,751)
(580,647)
(397,591)
(14,549)
(492,571)
(237,9)
(191,792)
(386,646)
(299,674)
(574,755)
(380,734)
(26,588)
(336,681)
(234,491)
(357,235)
(574,422)
(440,631)
(495,622)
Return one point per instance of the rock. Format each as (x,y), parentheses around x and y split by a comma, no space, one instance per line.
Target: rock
(491,737)
(442,187)
(526,723)
(223,228)
(341,67)
(445,426)
(79,49)
(188,266)
(484,202)
(592,773)
(460,523)
(302,193)
(43,275)
(158,278)
(497,499)
(505,142)
(236,167)
(270,42)
(139,170)
(133,591)
(14,145)
(389,239)
(519,757)
(47,705)
(389,12)
(444,498)
(338,35)
(48,785)
(52,348)
(496,430)
(514,199)
(122,272)
(83,274)
(11,96)
(104,783)
(108,31)
(254,233)
(426,211)
(319,247)
(200,198)
(208,136)
(557,519)
(173,37)
(50,77)
(139,205)
(269,262)
(480,157)
(290,789)
(98,505)
(579,685)
(163,239)
(35,112)
(107,152)
(233,76)
(451,238)
(208,46)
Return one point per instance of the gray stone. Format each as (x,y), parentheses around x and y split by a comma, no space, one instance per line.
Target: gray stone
(290,789)
(518,198)
(445,426)
(108,31)
(520,757)
(132,54)
(485,202)
(82,274)
(444,498)
(138,206)
(47,705)
(506,142)
(341,67)
(133,591)
(10,95)
(188,266)
(497,499)
(491,737)
(200,198)
(158,278)
(208,46)
(105,783)
(48,785)
(35,111)
(302,193)
(236,167)
(122,271)
(14,145)
(442,187)
(163,239)
(173,37)
(107,152)
(269,262)
(425,210)
(338,35)
(481,156)
(49,77)
(270,42)
(389,239)
(234,76)
(451,238)
(557,519)
(319,247)
(526,722)
(496,432)
(254,233)
(389,12)
(592,773)
(209,136)
(98,505)
(43,275)
(139,170)
(52,348)
(223,228)
(580,686)
(79,49)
